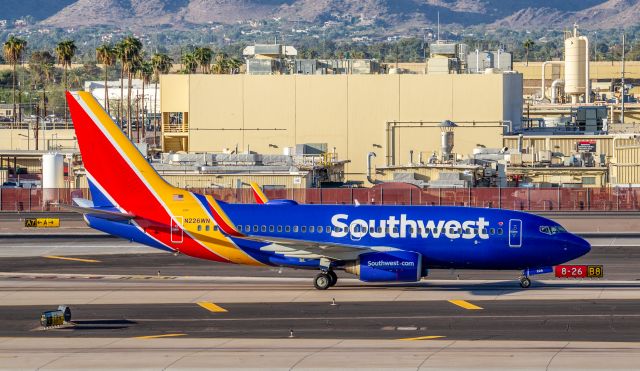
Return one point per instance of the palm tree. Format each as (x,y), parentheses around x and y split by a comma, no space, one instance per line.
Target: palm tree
(161,64)
(145,72)
(203,57)
(119,53)
(41,67)
(221,64)
(233,65)
(65,51)
(106,55)
(13,49)
(528,44)
(129,49)
(189,62)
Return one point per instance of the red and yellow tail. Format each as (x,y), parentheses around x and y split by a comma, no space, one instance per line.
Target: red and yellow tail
(113,164)
(121,177)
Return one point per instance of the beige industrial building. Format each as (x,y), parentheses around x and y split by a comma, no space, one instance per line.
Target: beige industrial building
(350,113)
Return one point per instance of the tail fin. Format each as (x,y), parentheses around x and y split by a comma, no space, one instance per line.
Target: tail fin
(258,195)
(118,174)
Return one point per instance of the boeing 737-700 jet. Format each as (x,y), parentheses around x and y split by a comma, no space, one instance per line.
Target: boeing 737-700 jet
(377,243)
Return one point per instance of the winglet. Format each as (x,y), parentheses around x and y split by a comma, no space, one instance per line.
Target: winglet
(221,218)
(258,194)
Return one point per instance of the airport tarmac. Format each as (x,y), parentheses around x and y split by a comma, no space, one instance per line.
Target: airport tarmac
(136,308)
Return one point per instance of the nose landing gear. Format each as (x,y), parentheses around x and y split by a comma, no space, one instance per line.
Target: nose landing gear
(525,282)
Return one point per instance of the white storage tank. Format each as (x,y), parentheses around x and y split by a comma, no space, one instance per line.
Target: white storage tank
(576,66)
(52,175)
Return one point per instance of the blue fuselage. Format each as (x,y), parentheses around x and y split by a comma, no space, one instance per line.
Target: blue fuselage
(447,237)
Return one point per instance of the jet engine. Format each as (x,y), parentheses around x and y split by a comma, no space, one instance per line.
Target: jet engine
(389,266)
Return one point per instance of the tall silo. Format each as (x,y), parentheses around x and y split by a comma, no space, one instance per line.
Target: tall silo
(52,175)
(576,66)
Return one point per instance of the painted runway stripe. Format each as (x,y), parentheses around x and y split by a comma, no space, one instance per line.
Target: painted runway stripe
(71,259)
(159,336)
(465,304)
(211,307)
(431,337)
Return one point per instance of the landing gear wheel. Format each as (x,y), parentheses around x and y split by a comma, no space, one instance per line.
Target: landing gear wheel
(334,278)
(322,281)
(525,282)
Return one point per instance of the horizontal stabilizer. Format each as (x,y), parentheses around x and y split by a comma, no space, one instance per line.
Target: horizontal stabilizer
(83,206)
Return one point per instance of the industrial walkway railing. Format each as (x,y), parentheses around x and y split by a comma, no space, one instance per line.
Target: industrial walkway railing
(528,199)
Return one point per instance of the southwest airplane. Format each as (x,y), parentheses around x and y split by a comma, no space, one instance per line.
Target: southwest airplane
(375,243)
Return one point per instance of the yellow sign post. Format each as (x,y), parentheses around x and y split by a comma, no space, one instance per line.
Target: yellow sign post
(42,223)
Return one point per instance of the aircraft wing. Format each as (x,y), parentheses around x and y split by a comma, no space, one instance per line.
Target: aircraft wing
(83,206)
(313,250)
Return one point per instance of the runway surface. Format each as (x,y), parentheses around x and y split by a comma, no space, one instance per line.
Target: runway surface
(549,320)
(136,308)
(114,256)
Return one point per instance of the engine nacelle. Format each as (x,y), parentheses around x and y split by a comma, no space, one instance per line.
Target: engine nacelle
(390,266)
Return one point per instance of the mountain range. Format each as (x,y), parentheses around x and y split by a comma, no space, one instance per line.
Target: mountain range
(391,14)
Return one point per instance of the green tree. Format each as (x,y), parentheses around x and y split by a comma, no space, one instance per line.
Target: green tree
(106,55)
(161,64)
(65,50)
(41,68)
(131,54)
(189,63)
(120,55)
(13,49)
(203,56)
(144,72)
(528,44)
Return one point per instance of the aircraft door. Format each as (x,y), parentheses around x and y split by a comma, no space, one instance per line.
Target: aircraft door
(515,233)
(176,229)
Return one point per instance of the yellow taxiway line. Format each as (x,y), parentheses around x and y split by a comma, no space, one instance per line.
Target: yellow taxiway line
(71,259)
(159,336)
(211,307)
(465,304)
(423,338)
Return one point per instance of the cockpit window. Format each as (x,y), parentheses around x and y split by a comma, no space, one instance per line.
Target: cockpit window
(551,230)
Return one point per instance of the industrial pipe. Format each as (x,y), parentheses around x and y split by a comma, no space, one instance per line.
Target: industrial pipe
(371,155)
(544,64)
(554,87)
(587,82)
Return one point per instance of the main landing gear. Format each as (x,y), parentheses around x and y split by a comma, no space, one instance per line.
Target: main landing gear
(324,280)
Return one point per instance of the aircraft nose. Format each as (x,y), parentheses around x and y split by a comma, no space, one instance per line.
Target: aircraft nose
(578,246)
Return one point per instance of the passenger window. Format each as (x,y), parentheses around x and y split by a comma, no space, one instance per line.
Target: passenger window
(255,228)
(263,228)
(199,227)
(328,229)
(279,228)
(206,228)
(215,228)
(311,229)
(271,228)
(295,229)
(492,231)
(239,228)
(303,229)
(395,229)
(287,229)
(499,231)
(247,228)
(319,229)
